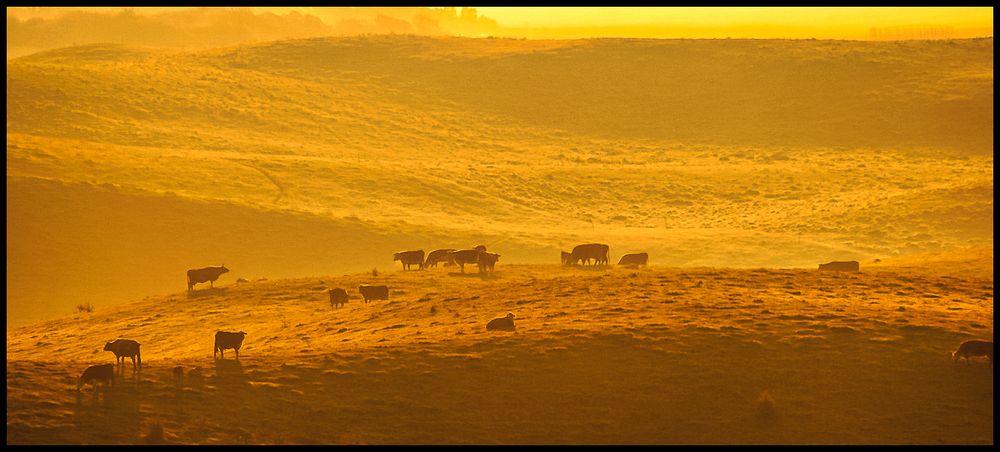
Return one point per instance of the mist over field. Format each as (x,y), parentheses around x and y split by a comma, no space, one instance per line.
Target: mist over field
(302,163)
(328,155)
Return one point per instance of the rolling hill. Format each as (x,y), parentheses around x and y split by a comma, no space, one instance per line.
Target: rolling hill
(612,356)
(126,165)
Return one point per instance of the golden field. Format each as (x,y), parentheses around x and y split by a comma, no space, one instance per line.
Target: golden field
(739,165)
(618,356)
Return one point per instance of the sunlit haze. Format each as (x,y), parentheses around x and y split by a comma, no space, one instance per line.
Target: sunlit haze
(499,225)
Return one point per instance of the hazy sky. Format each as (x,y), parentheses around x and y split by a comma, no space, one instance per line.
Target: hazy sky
(868,17)
(859,23)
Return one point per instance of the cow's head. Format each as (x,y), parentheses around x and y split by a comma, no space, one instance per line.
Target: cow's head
(565,257)
(510,315)
(223,269)
(107,347)
(480,248)
(395,256)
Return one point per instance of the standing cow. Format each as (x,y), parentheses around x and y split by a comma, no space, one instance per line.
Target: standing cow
(408,258)
(338,297)
(207,274)
(228,339)
(101,373)
(848,266)
(369,292)
(597,251)
(125,348)
(438,256)
(462,257)
(634,260)
(487,261)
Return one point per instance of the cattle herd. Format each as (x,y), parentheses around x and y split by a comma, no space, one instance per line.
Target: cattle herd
(581,255)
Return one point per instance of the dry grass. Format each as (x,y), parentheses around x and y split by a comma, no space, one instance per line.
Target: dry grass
(659,355)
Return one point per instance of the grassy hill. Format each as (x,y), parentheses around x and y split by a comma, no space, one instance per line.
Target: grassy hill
(126,166)
(617,356)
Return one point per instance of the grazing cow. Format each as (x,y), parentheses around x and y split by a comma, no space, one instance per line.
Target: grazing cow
(373,292)
(227,339)
(597,251)
(438,256)
(338,297)
(462,257)
(101,373)
(409,258)
(125,348)
(207,274)
(487,261)
(849,266)
(974,348)
(636,260)
(501,324)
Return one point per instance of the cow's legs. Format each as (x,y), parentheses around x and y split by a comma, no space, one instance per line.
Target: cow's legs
(237,353)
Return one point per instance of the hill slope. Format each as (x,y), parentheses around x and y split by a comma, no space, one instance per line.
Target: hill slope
(337,152)
(658,355)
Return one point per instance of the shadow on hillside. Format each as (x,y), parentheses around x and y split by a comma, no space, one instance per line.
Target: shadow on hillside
(229,374)
(591,268)
(489,275)
(117,407)
(211,291)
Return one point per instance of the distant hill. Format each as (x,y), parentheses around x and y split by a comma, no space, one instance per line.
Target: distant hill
(328,154)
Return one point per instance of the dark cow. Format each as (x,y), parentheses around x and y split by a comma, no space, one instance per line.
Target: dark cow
(101,373)
(974,348)
(501,324)
(228,339)
(207,274)
(409,258)
(125,348)
(462,257)
(338,297)
(849,266)
(597,251)
(370,292)
(487,261)
(634,260)
(438,256)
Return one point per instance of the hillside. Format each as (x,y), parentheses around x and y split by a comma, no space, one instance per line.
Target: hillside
(652,356)
(126,166)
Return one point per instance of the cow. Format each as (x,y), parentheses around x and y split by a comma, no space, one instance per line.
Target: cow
(101,373)
(597,251)
(228,339)
(974,348)
(487,261)
(338,297)
(462,257)
(634,260)
(501,324)
(849,266)
(125,348)
(370,292)
(438,256)
(408,258)
(207,274)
